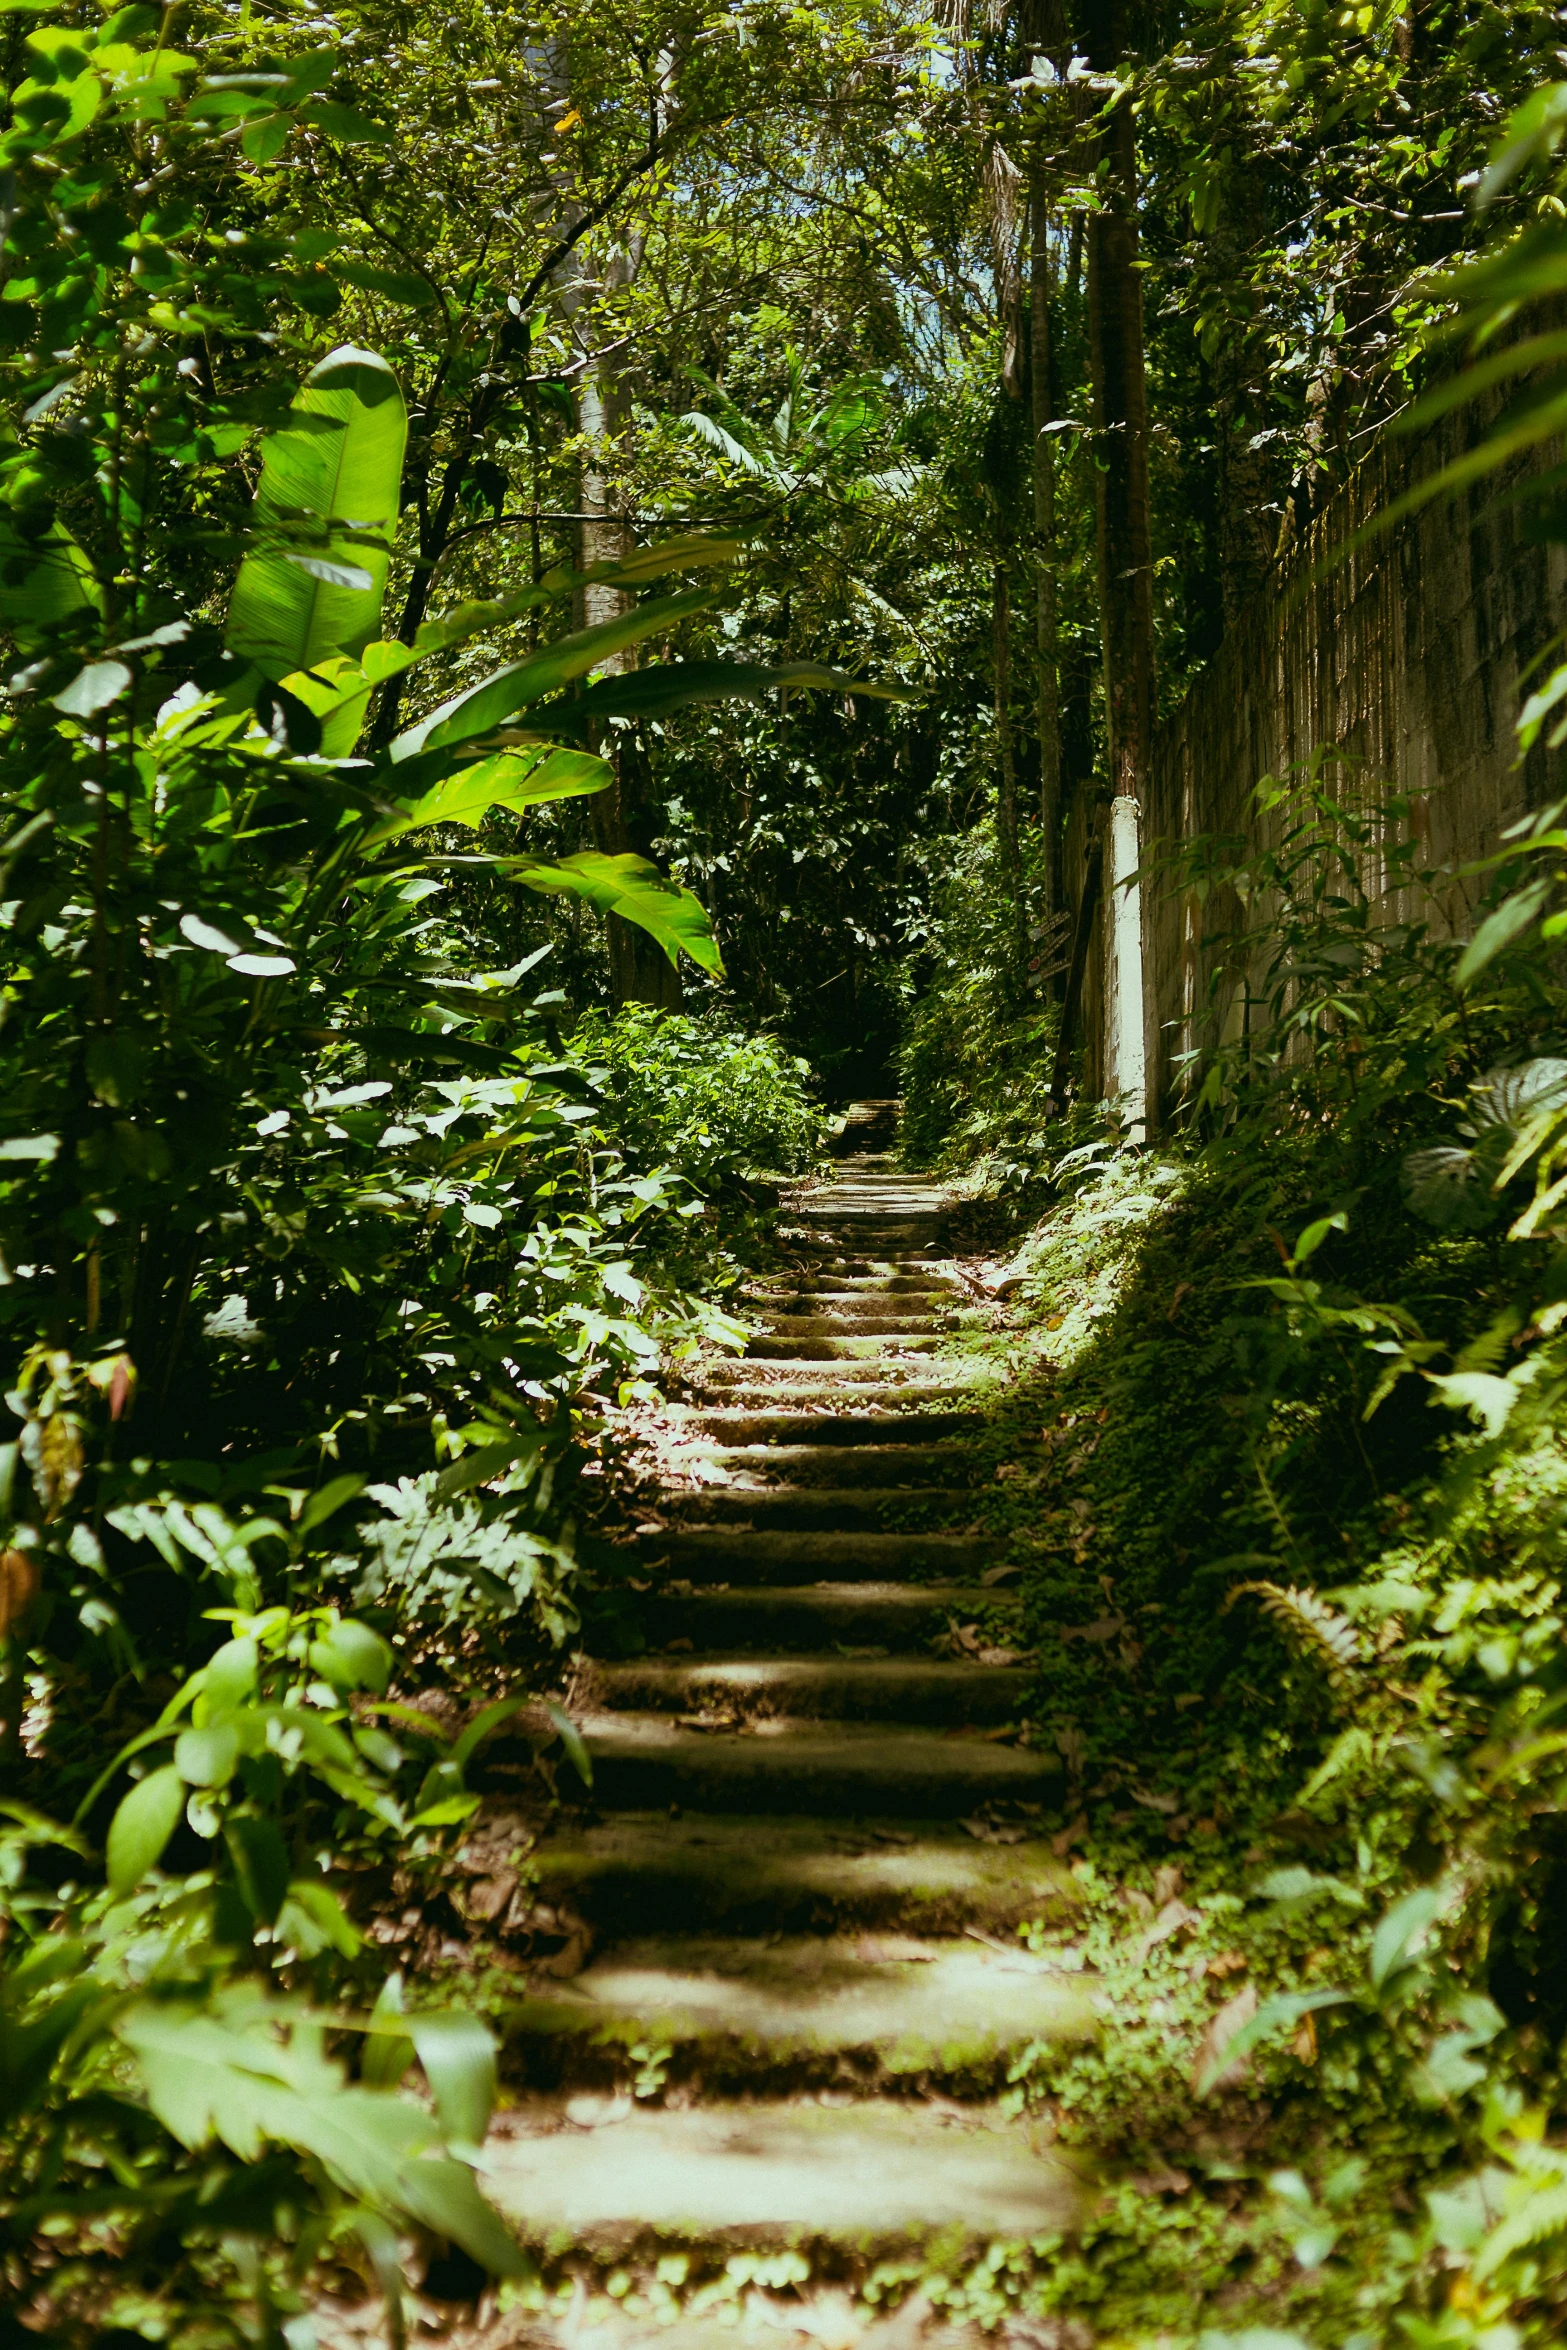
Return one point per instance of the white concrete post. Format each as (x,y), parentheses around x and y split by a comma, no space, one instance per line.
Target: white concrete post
(1126,1057)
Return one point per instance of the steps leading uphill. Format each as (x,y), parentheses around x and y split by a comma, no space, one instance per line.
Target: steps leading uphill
(798,1939)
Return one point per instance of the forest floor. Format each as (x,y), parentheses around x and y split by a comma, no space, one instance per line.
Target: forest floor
(873,2009)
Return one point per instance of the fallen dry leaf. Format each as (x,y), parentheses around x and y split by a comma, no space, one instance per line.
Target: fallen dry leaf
(1304,2044)
(1106,1628)
(1163,2181)
(483,1898)
(18,1588)
(1222,2028)
(1227,1962)
(1062,1843)
(1002,1574)
(995,1831)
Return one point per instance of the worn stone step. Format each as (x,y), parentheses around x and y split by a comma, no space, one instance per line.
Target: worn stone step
(796,1347)
(859,1509)
(841,1465)
(858,1288)
(891,1616)
(874,2178)
(827,1317)
(916,1376)
(787,1765)
(865,1689)
(861,1426)
(744,2016)
(755,1555)
(638,1872)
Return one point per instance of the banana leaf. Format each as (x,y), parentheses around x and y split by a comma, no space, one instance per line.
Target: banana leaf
(484,707)
(326,515)
(632,888)
(673,685)
(43,581)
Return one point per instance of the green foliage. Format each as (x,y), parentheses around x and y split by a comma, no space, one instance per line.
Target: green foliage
(978,1047)
(722,1105)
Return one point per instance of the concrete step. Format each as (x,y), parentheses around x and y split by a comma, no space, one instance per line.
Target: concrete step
(880,1769)
(925,1690)
(856,1288)
(881,1616)
(843,1465)
(640,1872)
(745,2016)
(877,2178)
(828,1317)
(858,1509)
(798,1347)
(753,1556)
(917,1376)
(761,1425)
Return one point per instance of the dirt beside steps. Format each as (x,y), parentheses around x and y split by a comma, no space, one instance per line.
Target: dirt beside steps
(804,1963)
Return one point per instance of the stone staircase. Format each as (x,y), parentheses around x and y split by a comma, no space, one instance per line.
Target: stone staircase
(804,1960)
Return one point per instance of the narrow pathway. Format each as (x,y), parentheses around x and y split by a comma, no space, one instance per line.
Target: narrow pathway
(802,1952)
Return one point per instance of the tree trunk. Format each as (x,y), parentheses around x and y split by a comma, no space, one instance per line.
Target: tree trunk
(1006,781)
(1046,35)
(1047,650)
(639,971)
(1124,545)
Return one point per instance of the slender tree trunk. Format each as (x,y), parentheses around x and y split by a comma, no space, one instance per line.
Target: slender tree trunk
(1046,34)
(1006,782)
(1047,649)
(640,972)
(1124,544)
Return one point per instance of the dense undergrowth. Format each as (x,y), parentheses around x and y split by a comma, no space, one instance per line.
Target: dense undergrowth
(1283,1471)
(332,1242)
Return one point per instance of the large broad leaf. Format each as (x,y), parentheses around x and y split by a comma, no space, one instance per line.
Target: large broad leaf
(484,707)
(251,2071)
(326,511)
(142,1826)
(635,890)
(671,685)
(43,581)
(511,779)
(692,553)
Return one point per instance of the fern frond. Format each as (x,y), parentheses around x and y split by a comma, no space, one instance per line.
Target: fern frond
(1314,1626)
(1350,1749)
(1535,2221)
(1275,1508)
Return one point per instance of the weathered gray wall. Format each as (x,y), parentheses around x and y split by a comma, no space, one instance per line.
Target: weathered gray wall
(1407,653)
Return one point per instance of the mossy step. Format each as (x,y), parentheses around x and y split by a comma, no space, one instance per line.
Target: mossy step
(643,1871)
(944,1465)
(860,1426)
(877,2178)
(861,1509)
(740,2015)
(919,1376)
(856,1288)
(787,1765)
(753,1555)
(864,1689)
(805,1316)
(799,1347)
(892,1616)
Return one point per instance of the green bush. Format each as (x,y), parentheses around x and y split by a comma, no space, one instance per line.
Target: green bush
(717,1104)
(977,1050)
